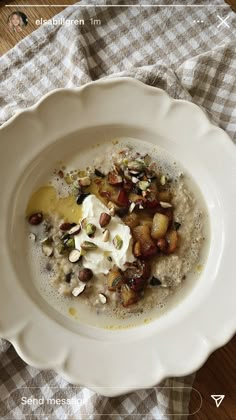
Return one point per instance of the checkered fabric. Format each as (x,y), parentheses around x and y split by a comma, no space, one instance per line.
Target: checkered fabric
(189,52)
(19,381)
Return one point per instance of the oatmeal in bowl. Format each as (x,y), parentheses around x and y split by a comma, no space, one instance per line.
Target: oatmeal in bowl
(120,236)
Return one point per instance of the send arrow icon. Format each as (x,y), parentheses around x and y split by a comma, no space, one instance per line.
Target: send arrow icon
(218,399)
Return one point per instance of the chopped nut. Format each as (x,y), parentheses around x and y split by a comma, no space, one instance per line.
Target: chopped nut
(47,250)
(136,165)
(85,274)
(112,208)
(70,243)
(75,230)
(134,172)
(165,205)
(106,235)
(46,241)
(102,298)
(104,219)
(83,223)
(143,185)
(65,226)
(78,290)
(147,160)
(88,246)
(85,181)
(117,241)
(32,237)
(74,255)
(114,178)
(90,229)
(134,179)
(35,219)
(132,207)
(163,180)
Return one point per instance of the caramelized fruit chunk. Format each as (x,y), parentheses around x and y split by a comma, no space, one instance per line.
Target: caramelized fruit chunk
(172,239)
(142,234)
(137,284)
(128,296)
(139,268)
(137,249)
(164,196)
(131,220)
(159,225)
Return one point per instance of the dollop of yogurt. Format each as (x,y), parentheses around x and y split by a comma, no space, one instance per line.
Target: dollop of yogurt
(102,259)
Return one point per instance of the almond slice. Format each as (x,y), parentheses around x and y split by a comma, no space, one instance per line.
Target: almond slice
(165,205)
(102,298)
(74,230)
(78,290)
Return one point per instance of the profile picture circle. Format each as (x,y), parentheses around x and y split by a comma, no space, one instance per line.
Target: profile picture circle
(16,21)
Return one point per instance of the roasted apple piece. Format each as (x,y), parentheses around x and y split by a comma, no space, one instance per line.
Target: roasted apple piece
(139,268)
(145,218)
(172,240)
(128,296)
(137,249)
(137,284)
(165,196)
(169,214)
(131,220)
(159,225)
(142,234)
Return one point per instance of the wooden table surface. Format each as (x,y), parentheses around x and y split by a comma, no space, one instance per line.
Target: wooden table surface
(218,375)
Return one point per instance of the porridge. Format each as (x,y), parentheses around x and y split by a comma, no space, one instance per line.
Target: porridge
(120,235)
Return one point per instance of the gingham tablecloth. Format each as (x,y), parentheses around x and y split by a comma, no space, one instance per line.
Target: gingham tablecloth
(189,52)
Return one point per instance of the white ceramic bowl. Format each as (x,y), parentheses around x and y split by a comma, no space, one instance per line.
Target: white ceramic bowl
(115,362)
